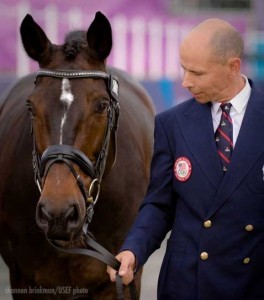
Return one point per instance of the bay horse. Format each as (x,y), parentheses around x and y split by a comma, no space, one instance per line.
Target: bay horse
(83,155)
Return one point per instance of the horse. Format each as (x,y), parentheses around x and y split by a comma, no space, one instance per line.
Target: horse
(75,135)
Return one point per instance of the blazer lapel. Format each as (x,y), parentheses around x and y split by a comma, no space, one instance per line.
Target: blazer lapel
(197,128)
(249,147)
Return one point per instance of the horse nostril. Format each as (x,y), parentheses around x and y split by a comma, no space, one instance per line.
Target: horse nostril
(72,215)
(60,223)
(43,217)
(43,214)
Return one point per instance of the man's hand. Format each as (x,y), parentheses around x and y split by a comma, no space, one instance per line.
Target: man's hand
(127,267)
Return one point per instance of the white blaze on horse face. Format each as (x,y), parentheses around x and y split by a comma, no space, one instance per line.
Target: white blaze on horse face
(67,98)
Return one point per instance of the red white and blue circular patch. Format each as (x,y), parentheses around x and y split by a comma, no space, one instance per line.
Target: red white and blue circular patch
(182,168)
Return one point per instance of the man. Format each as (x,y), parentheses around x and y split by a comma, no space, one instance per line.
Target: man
(206,182)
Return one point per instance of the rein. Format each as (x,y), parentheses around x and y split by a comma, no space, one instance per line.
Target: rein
(68,155)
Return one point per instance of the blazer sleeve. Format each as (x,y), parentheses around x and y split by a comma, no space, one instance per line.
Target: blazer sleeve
(156,213)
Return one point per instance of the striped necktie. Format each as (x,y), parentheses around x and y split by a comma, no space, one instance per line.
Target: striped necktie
(224,136)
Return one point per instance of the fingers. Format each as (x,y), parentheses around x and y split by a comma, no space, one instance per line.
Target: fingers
(126,270)
(112,273)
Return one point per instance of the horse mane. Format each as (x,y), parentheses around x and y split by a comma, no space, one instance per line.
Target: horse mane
(74,42)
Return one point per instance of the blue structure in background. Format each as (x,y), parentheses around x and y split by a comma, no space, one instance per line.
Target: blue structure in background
(167,89)
(259,63)
(166,93)
(163,93)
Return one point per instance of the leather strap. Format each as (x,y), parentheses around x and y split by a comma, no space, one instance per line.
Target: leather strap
(59,152)
(106,257)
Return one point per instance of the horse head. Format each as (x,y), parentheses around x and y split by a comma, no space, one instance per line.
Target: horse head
(74,112)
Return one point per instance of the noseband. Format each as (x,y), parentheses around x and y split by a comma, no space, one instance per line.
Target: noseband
(69,154)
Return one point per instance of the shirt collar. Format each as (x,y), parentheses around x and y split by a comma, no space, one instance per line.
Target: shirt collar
(239,101)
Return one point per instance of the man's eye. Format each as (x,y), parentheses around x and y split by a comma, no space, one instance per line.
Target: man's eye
(197,73)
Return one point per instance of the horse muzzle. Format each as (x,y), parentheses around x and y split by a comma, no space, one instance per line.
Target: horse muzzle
(61,209)
(62,223)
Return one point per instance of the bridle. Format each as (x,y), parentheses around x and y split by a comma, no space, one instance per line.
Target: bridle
(69,155)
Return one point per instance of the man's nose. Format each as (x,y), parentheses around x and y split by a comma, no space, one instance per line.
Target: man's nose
(187,80)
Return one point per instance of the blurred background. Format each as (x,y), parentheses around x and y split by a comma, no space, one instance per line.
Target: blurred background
(146,36)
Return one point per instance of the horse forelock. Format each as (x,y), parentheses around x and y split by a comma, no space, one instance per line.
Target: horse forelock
(74,43)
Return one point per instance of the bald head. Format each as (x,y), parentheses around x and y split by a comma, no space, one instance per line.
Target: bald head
(223,40)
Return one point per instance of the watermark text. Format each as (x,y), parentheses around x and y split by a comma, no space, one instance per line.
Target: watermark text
(39,290)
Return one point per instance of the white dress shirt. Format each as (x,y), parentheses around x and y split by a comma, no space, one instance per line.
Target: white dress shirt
(237,111)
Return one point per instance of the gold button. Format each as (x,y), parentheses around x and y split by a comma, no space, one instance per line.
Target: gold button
(207,224)
(204,255)
(246,260)
(249,227)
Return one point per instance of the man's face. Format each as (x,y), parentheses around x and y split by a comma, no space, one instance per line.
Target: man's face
(204,76)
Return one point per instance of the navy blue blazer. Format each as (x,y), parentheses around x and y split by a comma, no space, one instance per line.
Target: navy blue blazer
(216,246)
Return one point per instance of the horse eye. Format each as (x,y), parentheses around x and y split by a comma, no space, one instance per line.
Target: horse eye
(30,107)
(102,106)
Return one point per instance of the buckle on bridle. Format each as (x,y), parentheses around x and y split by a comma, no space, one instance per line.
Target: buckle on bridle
(92,196)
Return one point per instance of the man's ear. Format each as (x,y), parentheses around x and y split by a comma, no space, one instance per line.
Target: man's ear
(234,64)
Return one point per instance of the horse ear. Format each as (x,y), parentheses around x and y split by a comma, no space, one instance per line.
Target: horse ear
(34,40)
(99,37)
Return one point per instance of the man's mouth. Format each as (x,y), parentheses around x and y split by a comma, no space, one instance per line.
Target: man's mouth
(196,94)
